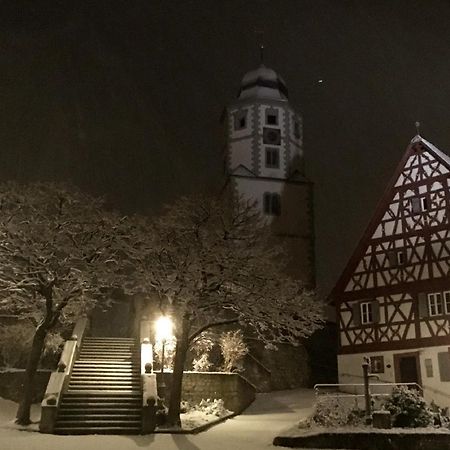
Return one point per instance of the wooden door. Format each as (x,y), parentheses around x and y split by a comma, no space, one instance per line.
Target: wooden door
(407,368)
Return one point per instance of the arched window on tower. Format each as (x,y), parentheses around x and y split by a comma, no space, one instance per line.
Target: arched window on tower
(272,203)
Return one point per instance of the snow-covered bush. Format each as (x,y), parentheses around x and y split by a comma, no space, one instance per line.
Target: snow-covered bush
(202,363)
(233,350)
(332,411)
(408,408)
(213,407)
(201,347)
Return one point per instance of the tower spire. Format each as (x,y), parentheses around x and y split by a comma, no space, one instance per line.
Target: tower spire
(417,125)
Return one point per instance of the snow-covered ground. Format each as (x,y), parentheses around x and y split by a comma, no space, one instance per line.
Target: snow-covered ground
(254,430)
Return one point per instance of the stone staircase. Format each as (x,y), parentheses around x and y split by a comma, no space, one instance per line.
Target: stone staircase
(104,394)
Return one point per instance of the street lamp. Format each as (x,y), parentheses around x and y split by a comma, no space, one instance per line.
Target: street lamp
(164,327)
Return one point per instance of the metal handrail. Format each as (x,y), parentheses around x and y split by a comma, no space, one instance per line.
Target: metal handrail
(347,394)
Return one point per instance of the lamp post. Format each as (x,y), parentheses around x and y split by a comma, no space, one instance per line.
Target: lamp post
(164,327)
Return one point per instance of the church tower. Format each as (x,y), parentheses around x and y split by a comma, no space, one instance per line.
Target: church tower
(264,161)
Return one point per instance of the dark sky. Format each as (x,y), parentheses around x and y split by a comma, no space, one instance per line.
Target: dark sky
(124,97)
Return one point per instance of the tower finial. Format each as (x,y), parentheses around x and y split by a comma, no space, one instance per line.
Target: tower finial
(417,124)
(261,53)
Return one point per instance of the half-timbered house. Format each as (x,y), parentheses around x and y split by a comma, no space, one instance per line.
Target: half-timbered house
(393,298)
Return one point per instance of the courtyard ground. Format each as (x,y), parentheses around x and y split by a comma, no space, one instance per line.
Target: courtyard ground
(255,429)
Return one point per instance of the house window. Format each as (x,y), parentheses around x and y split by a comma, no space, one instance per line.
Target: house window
(424,203)
(447,302)
(419,204)
(272,158)
(240,120)
(366,312)
(396,258)
(435,306)
(272,204)
(377,364)
(429,367)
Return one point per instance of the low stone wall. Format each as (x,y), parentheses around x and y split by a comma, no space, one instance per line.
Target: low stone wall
(370,440)
(11,384)
(236,392)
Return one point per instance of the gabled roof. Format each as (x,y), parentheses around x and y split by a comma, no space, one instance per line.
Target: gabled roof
(242,171)
(381,208)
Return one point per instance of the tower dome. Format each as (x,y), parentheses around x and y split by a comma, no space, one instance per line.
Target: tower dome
(263,82)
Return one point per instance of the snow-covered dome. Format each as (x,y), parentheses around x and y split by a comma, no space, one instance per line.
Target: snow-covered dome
(263,82)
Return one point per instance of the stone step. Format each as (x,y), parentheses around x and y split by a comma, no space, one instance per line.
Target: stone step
(110,340)
(88,417)
(98,430)
(112,392)
(105,369)
(106,376)
(94,408)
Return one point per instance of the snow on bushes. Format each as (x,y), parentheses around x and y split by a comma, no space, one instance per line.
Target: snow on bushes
(408,408)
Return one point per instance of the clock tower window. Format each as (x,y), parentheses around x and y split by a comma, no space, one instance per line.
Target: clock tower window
(272,158)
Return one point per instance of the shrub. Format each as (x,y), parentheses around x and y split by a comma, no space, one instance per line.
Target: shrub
(332,411)
(233,349)
(201,347)
(201,364)
(408,408)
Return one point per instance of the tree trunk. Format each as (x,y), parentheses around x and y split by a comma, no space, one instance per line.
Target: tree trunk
(173,417)
(23,412)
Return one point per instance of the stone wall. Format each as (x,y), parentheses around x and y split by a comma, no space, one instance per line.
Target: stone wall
(11,384)
(236,392)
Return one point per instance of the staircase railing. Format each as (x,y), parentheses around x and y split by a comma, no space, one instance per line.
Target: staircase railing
(148,377)
(59,380)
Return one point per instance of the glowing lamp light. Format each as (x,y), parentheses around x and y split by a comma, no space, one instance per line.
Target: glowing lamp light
(164,329)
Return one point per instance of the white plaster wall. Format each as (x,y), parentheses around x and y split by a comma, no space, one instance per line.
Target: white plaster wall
(241,153)
(350,371)
(255,188)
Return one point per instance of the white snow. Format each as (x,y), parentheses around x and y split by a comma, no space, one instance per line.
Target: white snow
(270,415)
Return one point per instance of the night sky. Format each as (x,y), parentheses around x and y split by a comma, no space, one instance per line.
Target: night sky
(124,97)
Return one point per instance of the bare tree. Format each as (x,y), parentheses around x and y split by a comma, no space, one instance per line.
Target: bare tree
(58,256)
(213,263)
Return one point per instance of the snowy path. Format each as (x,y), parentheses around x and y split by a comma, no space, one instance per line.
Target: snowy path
(253,430)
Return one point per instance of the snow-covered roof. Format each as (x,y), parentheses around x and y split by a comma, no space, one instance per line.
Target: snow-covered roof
(263,82)
(433,148)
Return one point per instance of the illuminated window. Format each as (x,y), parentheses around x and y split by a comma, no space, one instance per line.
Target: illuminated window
(435,305)
(366,312)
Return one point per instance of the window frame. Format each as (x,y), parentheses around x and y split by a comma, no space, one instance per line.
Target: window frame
(275,155)
(366,313)
(376,364)
(272,204)
(434,303)
(238,117)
